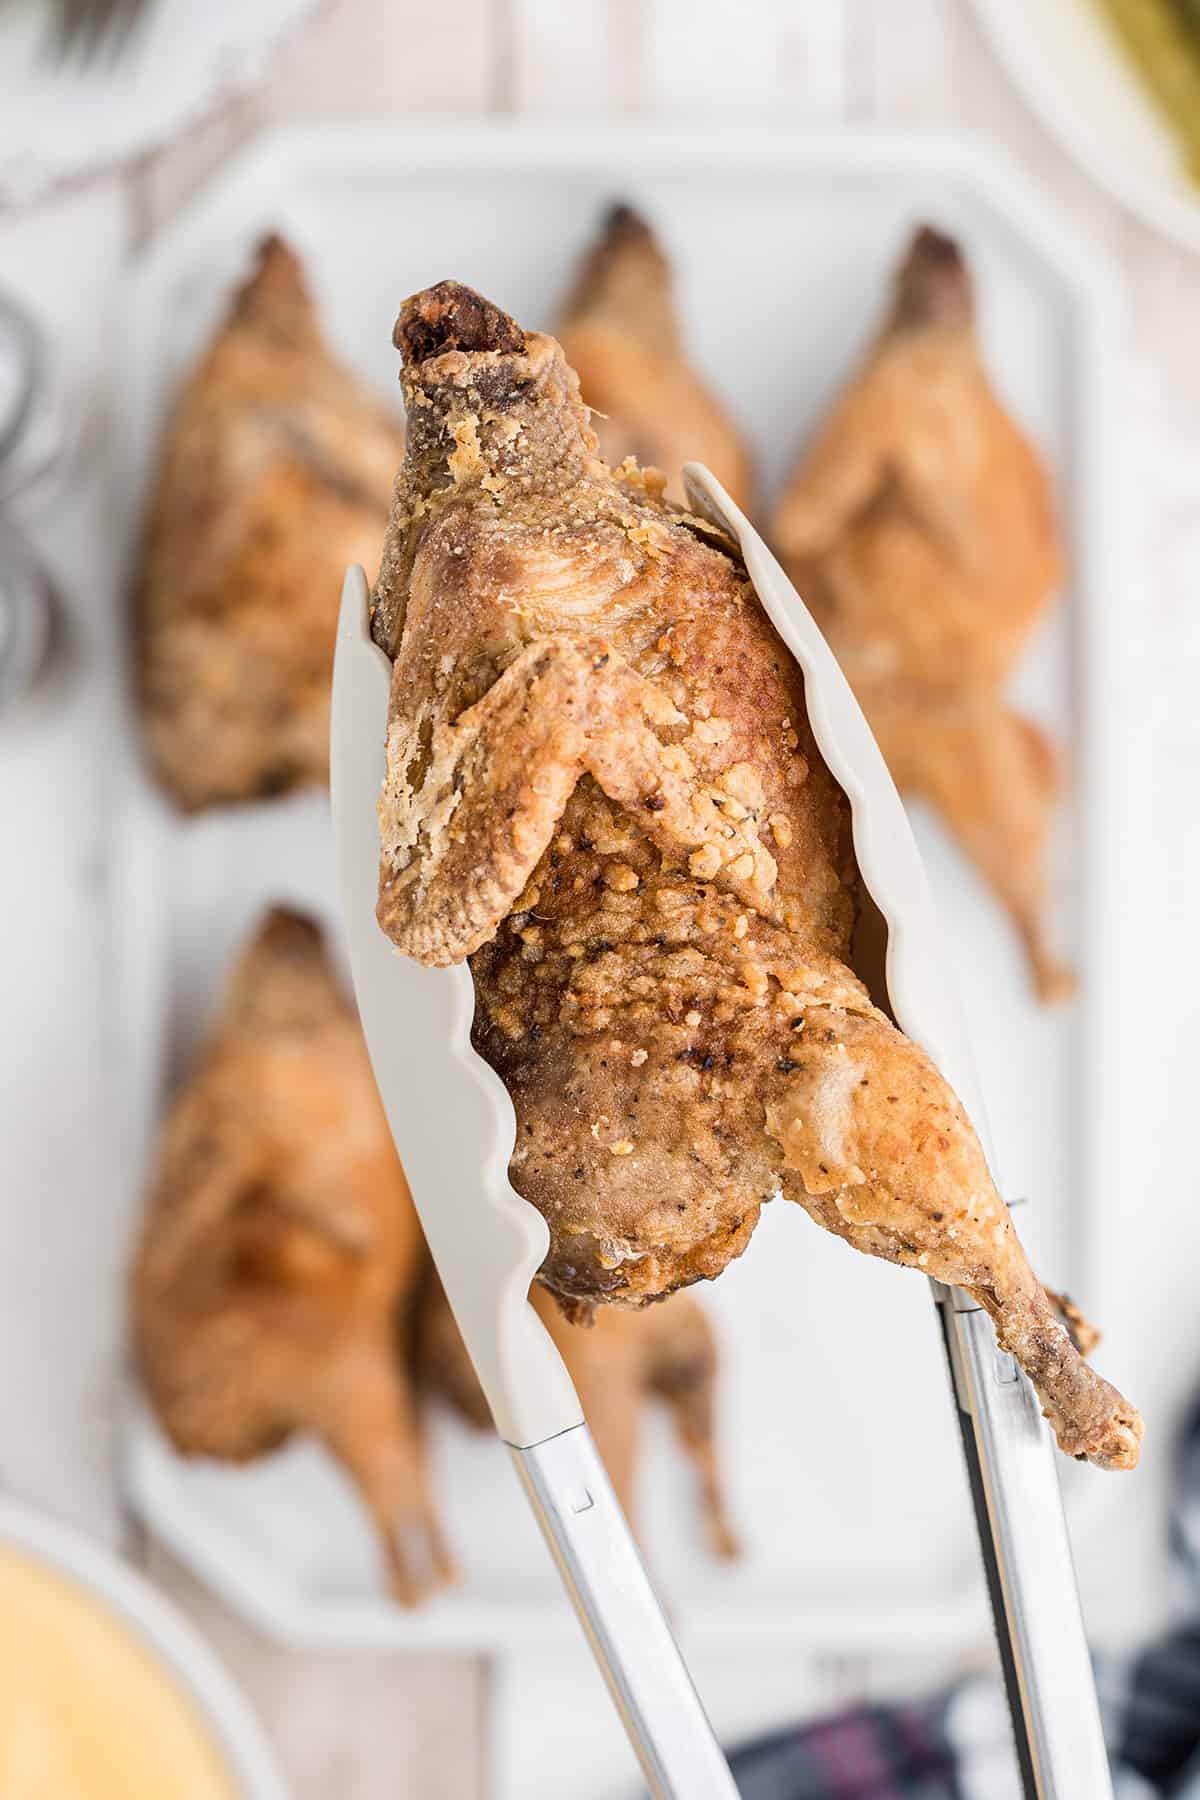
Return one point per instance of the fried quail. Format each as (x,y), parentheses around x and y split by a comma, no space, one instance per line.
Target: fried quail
(281,1246)
(618,1364)
(919,529)
(603,789)
(621,334)
(275,474)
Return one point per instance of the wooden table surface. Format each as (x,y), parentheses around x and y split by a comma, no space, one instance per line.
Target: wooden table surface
(362,1727)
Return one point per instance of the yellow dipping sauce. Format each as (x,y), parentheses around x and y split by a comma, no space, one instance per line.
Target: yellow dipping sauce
(86,1712)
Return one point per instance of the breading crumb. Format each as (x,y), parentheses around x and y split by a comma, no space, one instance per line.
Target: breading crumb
(621,878)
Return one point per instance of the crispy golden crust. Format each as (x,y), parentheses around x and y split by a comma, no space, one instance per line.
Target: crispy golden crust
(919,528)
(602,786)
(275,474)
(619,1361)
(620,333)
(279,1243)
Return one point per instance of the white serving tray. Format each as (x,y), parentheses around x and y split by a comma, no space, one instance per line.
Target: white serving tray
(839,1438)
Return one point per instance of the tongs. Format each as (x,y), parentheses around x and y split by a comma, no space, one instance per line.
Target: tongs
(454,1128)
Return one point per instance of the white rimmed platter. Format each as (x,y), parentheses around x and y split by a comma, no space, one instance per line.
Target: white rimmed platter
(837,1423)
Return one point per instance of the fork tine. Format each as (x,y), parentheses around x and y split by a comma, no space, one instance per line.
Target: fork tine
(72,24)
(60,30)
(88,17)
(81,29)
(126,19)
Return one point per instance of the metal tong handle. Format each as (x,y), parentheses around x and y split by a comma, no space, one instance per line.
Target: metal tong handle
(581,1519)
(1027,1560)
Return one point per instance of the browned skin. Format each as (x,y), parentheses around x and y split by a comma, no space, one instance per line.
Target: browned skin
(280,1244)
(602,788)
(621,334)
(920,530)
(618,1364)
(275,475)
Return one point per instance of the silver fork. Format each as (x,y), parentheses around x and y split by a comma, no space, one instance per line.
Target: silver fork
(81,29)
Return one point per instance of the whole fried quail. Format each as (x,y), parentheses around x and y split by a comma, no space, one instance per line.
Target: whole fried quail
(603,789)
(919,529)
(280,1248)
(621,334)
(275,474)
(619,1363)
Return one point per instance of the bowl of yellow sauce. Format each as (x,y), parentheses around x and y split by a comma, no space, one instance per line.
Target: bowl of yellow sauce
(106,1692)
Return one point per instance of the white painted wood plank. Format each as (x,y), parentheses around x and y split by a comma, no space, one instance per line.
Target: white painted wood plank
(555,1733)
(161,186)
(760,59)
(581,59)
(1150,1270)
(63,1206)
(359,59)
(390,59)
(349,1726)
(903,61)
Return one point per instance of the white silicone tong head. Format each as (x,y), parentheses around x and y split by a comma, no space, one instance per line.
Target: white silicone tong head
(451,1118)
(1009,1451)
(454,1127)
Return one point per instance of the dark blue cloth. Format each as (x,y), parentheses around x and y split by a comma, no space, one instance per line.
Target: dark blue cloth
(872,1753)
(937,1748)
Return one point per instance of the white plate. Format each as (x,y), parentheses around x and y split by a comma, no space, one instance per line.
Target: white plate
(67,122)
(165,1632)
(839,1436)
(1071,70)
